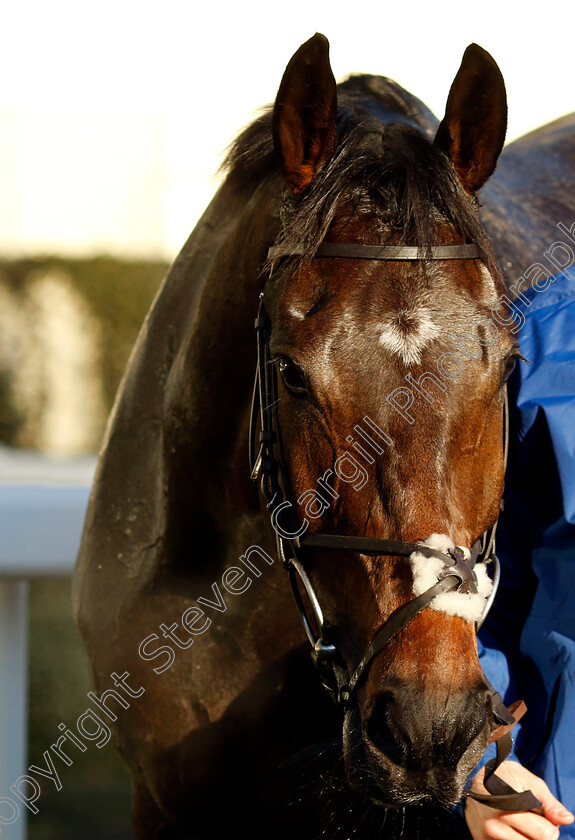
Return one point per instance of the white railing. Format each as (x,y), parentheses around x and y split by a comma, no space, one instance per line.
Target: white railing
(42,506)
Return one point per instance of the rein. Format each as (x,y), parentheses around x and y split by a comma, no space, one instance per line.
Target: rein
(457,573)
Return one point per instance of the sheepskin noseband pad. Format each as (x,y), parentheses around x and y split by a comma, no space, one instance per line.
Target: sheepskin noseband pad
(428,570)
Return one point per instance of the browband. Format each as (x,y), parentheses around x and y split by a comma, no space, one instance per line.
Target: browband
(380,252)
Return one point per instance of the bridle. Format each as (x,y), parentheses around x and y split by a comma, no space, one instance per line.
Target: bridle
(458,574)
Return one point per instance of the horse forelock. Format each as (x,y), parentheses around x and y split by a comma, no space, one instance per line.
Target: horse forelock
(385,163)
(395,173)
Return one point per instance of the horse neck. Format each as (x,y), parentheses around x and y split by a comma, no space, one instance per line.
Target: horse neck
(532,189)
(208,391)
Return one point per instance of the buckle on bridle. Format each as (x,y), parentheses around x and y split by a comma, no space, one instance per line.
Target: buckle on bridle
(462,570)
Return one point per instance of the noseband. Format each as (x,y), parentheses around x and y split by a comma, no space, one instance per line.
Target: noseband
(292,545)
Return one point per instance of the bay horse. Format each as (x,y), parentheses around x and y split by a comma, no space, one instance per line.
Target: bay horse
(381,350)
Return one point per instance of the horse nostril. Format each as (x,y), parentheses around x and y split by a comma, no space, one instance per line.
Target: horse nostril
(383,732)
(419,734)
(472,721)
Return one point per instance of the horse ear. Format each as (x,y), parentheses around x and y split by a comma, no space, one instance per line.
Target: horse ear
(305,114)
(473,129)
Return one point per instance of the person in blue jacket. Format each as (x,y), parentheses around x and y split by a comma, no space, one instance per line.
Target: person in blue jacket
(527,644)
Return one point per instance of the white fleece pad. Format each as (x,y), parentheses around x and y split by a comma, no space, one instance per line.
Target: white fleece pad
(426,572)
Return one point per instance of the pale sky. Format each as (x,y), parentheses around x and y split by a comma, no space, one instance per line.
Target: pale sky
(114,115)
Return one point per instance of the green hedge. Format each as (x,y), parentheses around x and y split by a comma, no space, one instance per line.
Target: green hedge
(94,801)
(117,293)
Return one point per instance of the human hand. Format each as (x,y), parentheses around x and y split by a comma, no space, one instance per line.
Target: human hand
(487,823)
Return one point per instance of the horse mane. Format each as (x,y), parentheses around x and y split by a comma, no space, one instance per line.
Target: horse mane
(386,164)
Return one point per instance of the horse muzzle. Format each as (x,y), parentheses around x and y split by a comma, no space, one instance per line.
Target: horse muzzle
(403,747)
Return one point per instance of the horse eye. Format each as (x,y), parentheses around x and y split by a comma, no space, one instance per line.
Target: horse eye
(293,377)
(509,367)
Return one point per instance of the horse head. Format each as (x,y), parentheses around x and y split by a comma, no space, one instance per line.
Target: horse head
(391,369)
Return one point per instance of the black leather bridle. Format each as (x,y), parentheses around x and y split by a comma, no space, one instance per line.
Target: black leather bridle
(268,464)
